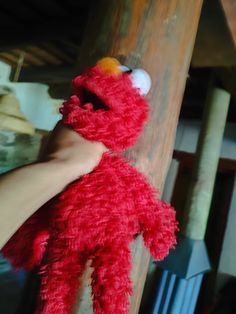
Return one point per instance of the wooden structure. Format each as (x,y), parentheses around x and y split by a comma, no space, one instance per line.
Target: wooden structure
(229,7)
(207,157)
(53,36)
(158,36)
(214,46)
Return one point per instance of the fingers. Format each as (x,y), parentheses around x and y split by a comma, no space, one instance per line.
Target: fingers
(68,147)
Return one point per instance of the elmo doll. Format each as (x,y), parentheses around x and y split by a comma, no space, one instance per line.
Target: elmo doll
(97,216)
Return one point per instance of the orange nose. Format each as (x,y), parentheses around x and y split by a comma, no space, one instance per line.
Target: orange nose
(110,66)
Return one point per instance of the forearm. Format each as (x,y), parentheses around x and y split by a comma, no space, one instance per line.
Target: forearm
(26,189)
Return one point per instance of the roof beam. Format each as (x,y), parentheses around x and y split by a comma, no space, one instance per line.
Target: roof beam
(214,46)
(229,7)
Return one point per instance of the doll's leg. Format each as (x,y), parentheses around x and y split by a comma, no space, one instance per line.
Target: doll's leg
(111,284)
(60,281)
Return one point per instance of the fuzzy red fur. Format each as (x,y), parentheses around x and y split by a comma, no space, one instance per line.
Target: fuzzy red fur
(97,216)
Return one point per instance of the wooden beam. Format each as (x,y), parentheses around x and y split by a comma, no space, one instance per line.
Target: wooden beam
(158,36)
(229,7)
(188,159)
(214,46)
(199,196)
(56,51)
(10,58)
(227,77)
(44,55)
(28,57)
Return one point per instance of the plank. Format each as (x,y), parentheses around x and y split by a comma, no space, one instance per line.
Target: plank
(57,52)
(227,77)
(10,58)
(28,57)
(229,7)
(187,159)
(214,46)
(158,36)
(44,55)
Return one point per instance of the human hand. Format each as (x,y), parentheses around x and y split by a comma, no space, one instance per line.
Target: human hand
(78,155)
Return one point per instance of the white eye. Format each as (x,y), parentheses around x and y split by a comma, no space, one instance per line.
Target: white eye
(141,80)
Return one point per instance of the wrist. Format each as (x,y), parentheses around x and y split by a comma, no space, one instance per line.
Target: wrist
(64,170)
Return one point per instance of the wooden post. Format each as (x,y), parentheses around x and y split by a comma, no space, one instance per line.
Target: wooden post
(157,35)
(207,158)
(229,7)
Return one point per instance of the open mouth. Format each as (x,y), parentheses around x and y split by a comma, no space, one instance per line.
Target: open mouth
(88,98)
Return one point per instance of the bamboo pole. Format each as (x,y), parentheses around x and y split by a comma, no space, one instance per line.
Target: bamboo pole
(207,157)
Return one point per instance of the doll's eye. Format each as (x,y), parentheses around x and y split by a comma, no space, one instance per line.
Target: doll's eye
(141,80)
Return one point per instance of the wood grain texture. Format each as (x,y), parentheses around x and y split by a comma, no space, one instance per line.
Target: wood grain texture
(229,7)
(199,196)
(157,35)
(214,45)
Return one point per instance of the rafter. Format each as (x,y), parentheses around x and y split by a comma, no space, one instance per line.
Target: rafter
(229,7)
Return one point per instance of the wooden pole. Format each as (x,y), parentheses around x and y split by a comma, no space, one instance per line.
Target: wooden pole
(229,7)
(207,157)
(157,35)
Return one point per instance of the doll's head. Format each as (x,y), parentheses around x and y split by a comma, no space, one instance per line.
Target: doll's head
(108,105)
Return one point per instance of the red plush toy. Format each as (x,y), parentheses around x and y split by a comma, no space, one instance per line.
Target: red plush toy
(96,217)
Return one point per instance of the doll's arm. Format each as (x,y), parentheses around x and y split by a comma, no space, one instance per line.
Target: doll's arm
(26,247)
(159,227)
(157,220)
